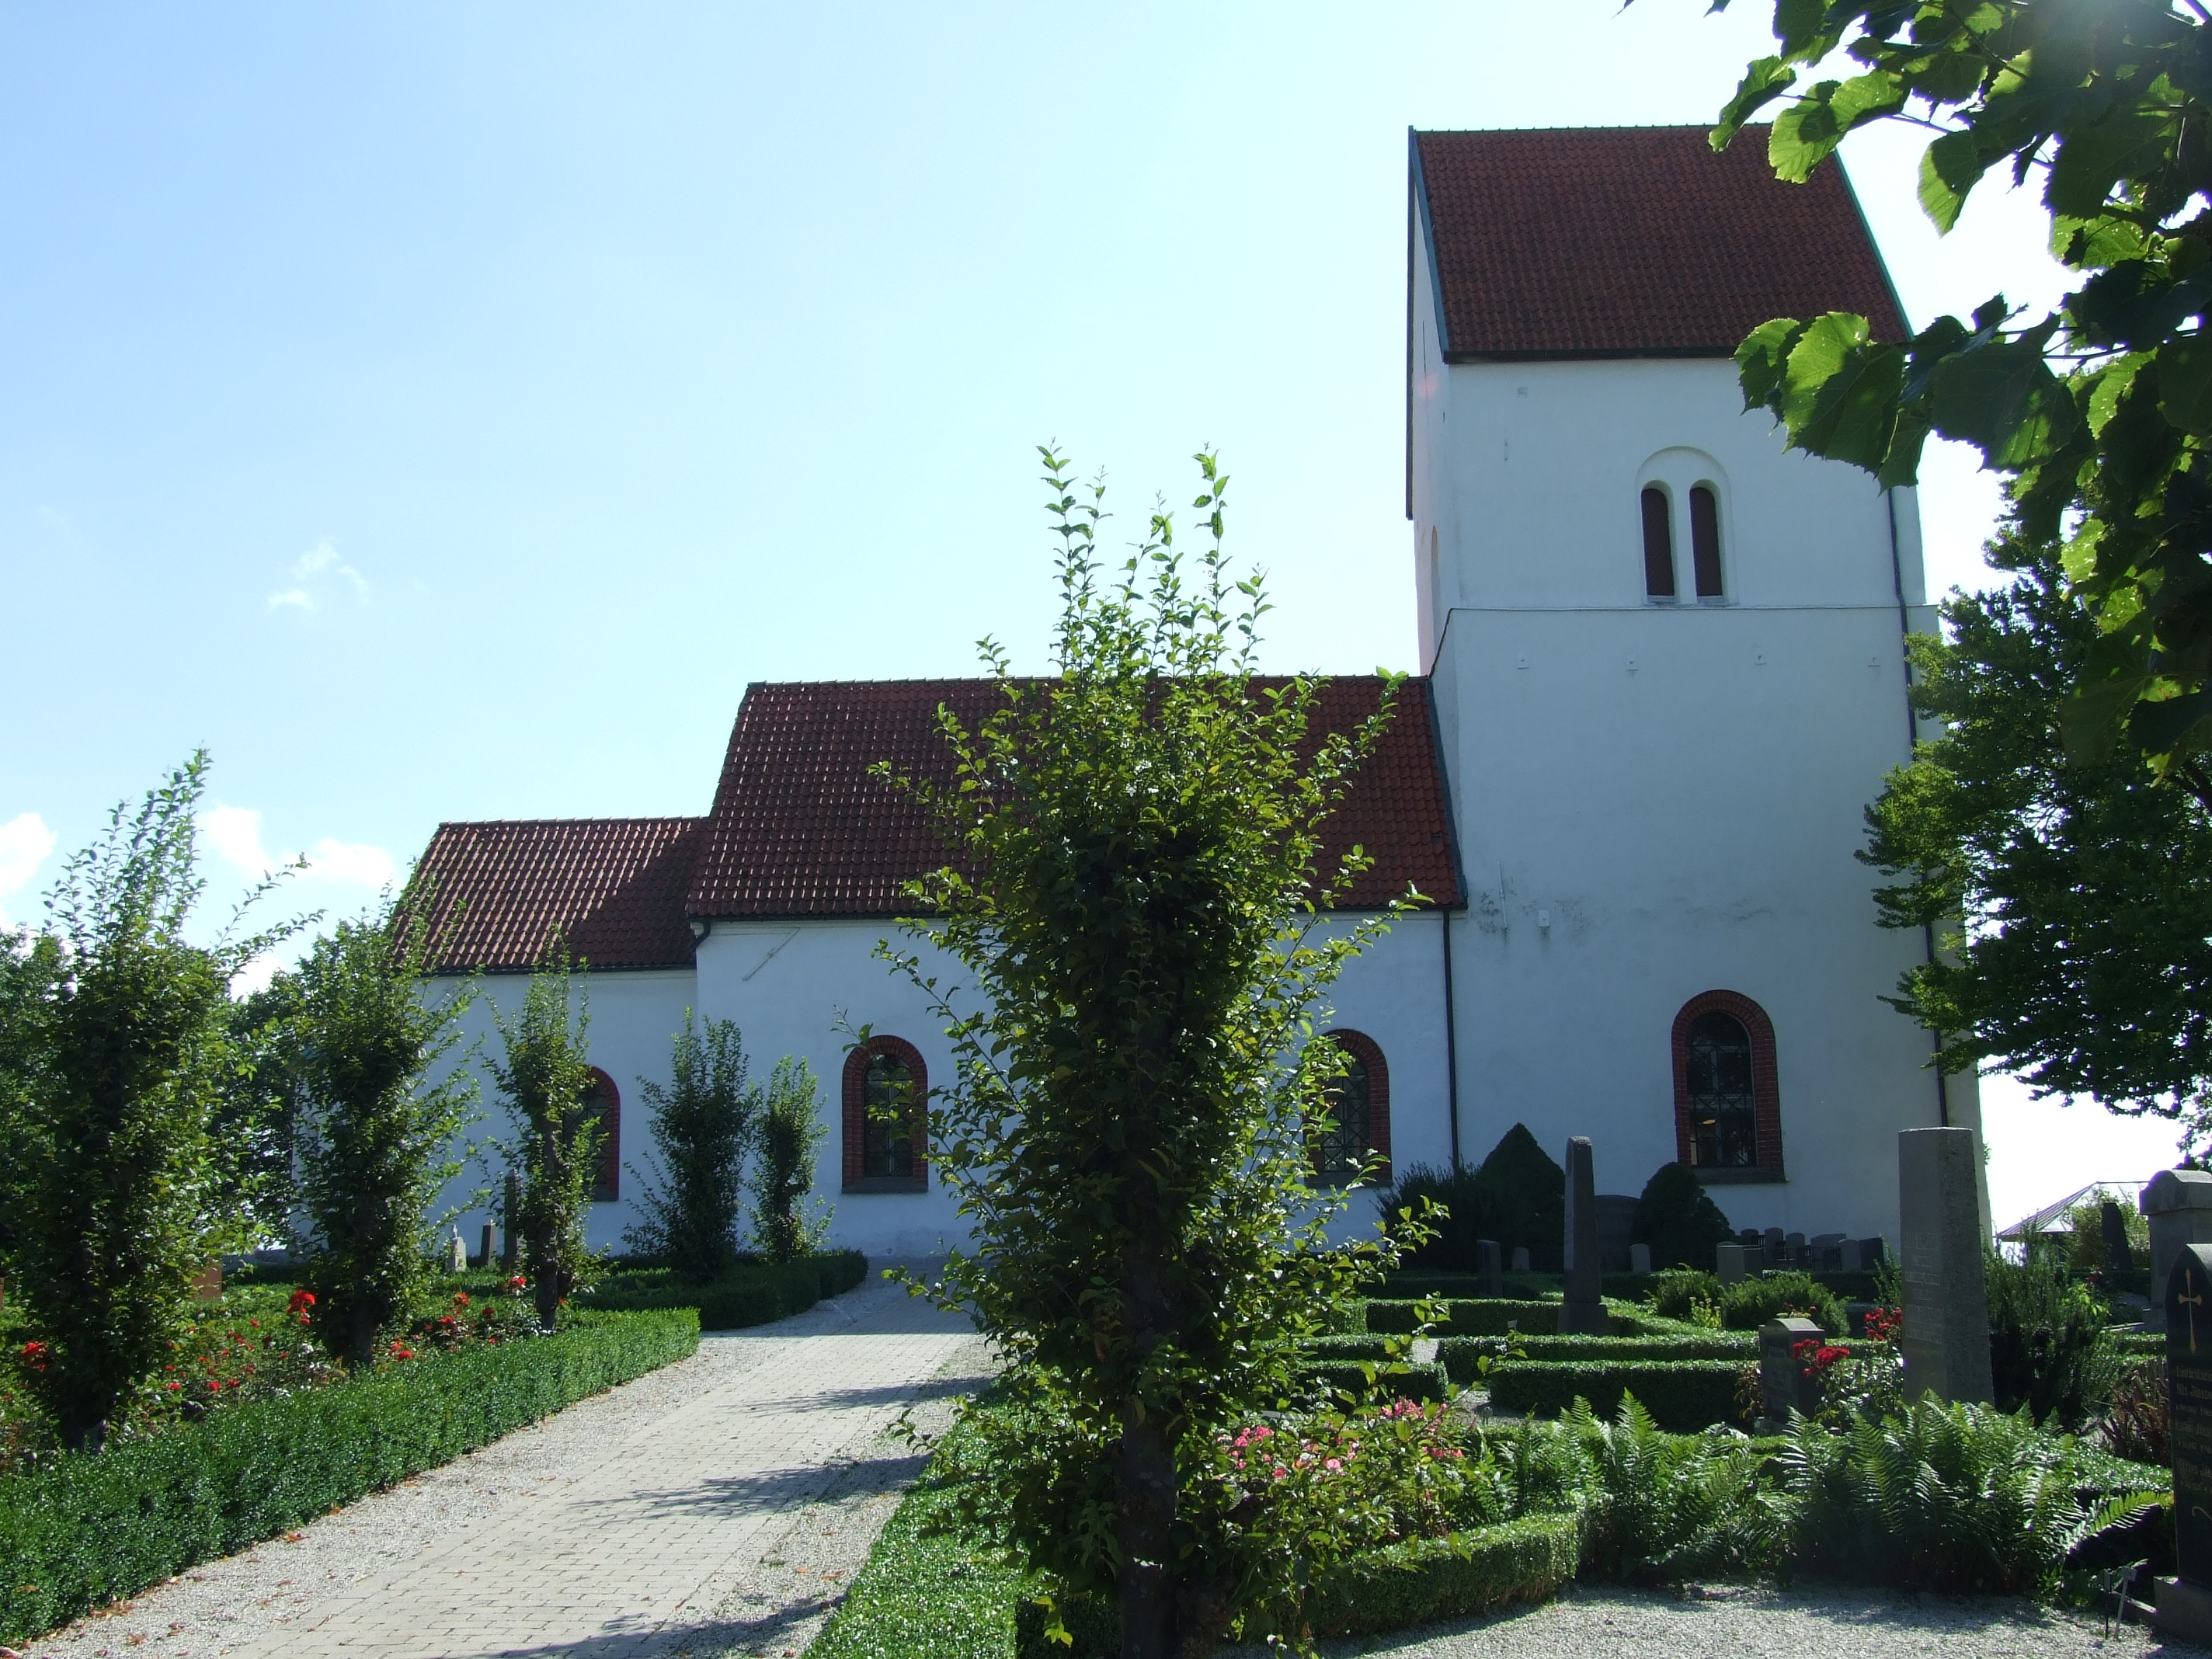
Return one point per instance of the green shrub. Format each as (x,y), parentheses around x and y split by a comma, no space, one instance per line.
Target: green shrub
(83,1531)
(1488,1318)
(750,1293)
(1750,1303)
(1678,1219)
(789,1134)
(1426,1579)
(2048,1347)
(701,1123)
(1517,1196)
(1459,1355)
(1681,1394)
(1346,1347)
(1673,1294)
(1407,1381)
(1663,1507)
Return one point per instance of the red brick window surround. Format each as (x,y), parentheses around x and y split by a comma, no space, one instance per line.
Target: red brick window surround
(1728,1100)
(603,1100)
(882,1154)
(1362,1100)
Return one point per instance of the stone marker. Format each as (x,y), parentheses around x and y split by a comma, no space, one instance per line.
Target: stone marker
(1827,1250)
(1847,1253)
(1616,1231)
(1873,1253)
(1795,1243)
(457,1254)
(1730,1262)
(513,1257)
(486,1253)
(208,1285)
(2179,1205)
(1639,1258)
(1945,1341)
(2185,1601)
(2118,1258)
(1772,1249)
(1582,1313)
(1783,1387)
(1519,1258)
(1491,1262)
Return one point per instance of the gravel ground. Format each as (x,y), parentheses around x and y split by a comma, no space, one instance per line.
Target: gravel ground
(1735,1623)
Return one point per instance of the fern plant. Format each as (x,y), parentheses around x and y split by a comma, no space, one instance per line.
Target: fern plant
(1667,1507)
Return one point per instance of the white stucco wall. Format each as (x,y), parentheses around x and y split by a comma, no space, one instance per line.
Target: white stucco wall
(1679,787)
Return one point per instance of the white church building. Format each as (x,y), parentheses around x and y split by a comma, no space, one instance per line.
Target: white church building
(1662,676)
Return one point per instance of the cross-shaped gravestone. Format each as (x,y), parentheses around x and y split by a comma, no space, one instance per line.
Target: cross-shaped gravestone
(2185,1601)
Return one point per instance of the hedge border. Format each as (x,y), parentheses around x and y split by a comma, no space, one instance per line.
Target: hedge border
(1483,1317)
(86,1530)
(755,1293)
(1682,1396)
(1461,1355)
(1407,1379)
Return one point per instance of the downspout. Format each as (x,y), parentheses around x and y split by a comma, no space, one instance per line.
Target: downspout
(1911,742)
(1451,1041)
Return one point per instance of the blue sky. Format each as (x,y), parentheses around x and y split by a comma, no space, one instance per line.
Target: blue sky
(445,412)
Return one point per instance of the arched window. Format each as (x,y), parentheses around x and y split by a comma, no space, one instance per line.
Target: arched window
(1658,544)
(602,1102)
(1728,1116)
(1359,1114)
(886,1117)
(1705,540)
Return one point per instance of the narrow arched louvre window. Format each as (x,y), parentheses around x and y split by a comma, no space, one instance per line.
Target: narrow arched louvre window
(1658,545)
(1341,1145)
(1722,1099)
(603,1105)
(1705,541)
(887,1144)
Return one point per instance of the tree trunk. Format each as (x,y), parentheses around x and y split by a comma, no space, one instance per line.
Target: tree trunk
(1144,1466)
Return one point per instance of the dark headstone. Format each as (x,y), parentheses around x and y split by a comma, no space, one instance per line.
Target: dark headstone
(1795,1243)
(2118,1258)
(1491,1263)
(484,1255)
(1583,1312)
(1616,1230)
(1946,1341)
(1783,1387)
(1519,1258)
(2185,1601)
(1731,1262)
(506,1216)
(1873,1253)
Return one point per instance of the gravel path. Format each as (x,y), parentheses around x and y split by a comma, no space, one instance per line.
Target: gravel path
(717,1505)
(1737,1623)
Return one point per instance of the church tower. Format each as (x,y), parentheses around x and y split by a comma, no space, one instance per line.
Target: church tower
(1667,659)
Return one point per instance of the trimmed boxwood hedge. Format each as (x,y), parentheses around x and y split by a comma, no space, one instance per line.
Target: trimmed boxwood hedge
(1424,1380)
(1458,1354)
(85,1530)
(1346,1347)
(1684,1395)
(1489,1318)
(1404,1585)
(751,1293)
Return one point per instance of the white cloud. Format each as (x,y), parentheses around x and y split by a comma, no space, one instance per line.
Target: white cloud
(255,976)
(25,841)
(352,860)
(234,832)
(318,576)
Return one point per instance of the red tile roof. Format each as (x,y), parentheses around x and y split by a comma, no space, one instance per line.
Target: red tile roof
(800,829)
(1635,241)
(610,889)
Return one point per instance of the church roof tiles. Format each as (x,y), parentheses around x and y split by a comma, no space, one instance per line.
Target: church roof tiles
(800,828)
(1635,242)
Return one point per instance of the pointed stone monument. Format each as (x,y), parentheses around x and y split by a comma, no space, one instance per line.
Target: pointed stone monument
(1946,1340)
(1582,1313)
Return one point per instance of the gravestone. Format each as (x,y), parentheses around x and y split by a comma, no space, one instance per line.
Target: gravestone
(1639,1258)
(512,1256)
(1783,1387)
(1849,1257)
(1827,1250)
(2178,1203)
(485,1254)
(1616,1231)
(207,1286)
(1946,1340)
(457,1254)
(1730,1262)
(1519,1258)
(2118,1257)
(1582,1313)
(1772,1248)
(2185,1601)
(1873,1253)
(1490,1261)
(1794,1244)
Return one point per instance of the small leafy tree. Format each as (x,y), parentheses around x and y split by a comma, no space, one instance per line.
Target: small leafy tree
(1678,1219)
(545,1080)
(702,1123)
(254,1130)
(122,1053)
(375,1135)
(787,1137)
(2100,413)
(1127,1127)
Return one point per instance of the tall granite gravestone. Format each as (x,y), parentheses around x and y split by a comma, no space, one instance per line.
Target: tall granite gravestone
(1582,1313)
(2118,1257)
(2185,1601)
(1946,1341)
(1730,1263)
(2178,1203)
(485,1257)
(1616,1231)
(1491,1262)
(1783,1387)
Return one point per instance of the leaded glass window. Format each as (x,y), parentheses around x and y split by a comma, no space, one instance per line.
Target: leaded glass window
(1340,1148)
(1722,1096)
(887,1096)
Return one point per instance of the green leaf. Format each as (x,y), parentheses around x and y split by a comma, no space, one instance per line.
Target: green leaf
(2184,384)
(1853,414)
(2000,396)
(1949,167)
(1760,361)
(1803,134)
(1762,83)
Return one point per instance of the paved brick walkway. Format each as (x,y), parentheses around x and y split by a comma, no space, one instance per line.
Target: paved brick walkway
(614,1530)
